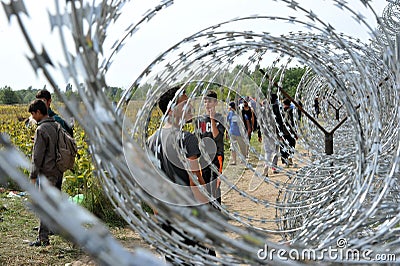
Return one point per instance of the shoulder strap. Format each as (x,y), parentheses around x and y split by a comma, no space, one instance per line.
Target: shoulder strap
(58,128)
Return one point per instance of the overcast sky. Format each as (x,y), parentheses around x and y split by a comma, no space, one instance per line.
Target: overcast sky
(182,19)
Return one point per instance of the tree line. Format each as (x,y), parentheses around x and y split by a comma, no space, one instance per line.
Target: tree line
(249,80)
(10,96)
(289,83)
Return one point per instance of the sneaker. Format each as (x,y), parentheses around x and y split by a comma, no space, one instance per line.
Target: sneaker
(290,161)
(38,243)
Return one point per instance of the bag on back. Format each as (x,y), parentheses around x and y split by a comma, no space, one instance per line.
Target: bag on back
(66,150)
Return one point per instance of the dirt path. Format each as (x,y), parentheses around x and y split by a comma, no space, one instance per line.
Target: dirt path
(255,207)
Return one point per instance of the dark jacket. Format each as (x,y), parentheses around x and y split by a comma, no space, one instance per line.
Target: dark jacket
(62,122)
(278,118)
(44,150)
(288,120)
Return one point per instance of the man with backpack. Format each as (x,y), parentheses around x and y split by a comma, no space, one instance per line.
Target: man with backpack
(66,150)
(44,158)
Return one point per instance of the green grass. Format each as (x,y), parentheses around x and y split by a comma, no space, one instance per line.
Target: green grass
(16,232)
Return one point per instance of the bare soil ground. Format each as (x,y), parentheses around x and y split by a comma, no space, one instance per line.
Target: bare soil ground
(253,207)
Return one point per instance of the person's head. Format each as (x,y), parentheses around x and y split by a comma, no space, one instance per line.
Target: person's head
(232,105)
(210,101)
(246,102)
(38,110)
(274,97)
(45,96)
(180,102)
(286,103)
(264,102)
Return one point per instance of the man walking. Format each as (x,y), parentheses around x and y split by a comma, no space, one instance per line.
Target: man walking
(289,134)
(44,158)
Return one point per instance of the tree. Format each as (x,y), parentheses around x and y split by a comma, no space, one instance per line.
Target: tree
(8,96)
(113,93)
(292,79)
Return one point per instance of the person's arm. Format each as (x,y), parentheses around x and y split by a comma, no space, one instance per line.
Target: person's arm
(292,124)
(252,118)
(195,169)
(278,119)
(229,119)
(291,118)
(214,128)
(192,154)
(39,151)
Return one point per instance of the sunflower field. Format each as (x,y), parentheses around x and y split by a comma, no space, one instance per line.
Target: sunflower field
(79,183)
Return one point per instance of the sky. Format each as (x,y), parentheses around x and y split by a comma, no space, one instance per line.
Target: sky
(169,26)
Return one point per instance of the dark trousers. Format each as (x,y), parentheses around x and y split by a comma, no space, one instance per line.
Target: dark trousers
(44,230)
(187,241)
(210,177)
(285,149)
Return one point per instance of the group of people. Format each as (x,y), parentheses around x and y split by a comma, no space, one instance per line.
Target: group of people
(44,152)
(164,142)
(281,123)
(163,145)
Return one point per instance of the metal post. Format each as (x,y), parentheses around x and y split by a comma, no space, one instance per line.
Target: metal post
(329,143)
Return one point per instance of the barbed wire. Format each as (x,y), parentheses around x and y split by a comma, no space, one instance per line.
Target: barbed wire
(351,193)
